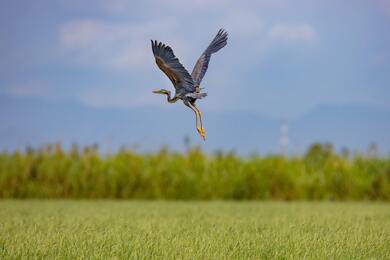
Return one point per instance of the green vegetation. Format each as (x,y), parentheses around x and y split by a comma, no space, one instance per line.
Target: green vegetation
(193,230)
(321,174)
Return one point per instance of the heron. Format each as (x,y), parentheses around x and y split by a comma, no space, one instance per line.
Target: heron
(187,87)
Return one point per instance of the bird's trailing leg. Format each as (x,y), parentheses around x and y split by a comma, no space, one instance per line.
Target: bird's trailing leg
(199,129)
(202,133)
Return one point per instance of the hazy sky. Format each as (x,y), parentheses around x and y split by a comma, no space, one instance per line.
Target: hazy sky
(283,57)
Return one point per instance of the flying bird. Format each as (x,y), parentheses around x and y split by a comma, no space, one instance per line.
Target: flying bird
(187,87)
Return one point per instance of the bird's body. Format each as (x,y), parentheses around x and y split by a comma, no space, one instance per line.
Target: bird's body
(187,87)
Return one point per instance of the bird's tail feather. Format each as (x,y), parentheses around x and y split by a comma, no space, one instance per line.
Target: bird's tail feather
(197,95)
(219,41)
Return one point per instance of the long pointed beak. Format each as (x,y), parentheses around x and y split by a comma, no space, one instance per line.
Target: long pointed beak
(157,91)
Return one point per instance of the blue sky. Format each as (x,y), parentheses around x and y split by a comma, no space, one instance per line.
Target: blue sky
(283,58)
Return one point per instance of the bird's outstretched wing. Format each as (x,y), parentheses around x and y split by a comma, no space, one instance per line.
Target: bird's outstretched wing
(171,66)
(200,68)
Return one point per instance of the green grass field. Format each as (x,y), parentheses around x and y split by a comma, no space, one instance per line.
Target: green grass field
(193,230)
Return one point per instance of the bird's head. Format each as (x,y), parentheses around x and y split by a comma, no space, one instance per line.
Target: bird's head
(161,91)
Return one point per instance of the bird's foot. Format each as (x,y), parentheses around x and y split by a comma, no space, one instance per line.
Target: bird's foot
(202,133)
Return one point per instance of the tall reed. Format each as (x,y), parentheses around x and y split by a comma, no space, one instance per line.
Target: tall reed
(320,174)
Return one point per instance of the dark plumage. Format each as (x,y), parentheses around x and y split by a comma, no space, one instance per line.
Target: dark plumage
(187,87)
(200,68)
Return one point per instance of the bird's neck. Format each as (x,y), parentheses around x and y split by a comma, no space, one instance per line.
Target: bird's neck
(169,99)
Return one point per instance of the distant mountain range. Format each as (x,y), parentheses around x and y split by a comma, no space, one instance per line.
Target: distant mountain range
(35,121)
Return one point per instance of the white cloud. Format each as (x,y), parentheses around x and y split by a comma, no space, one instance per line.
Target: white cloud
(112,45)
(125,46)
(87,33)
(131,57)
(292,33)
(244,24)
